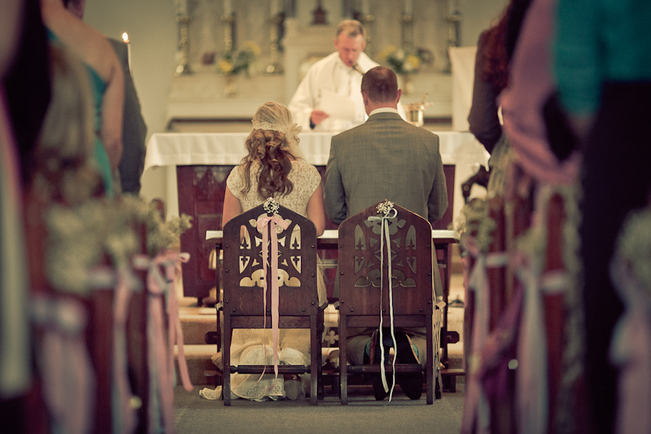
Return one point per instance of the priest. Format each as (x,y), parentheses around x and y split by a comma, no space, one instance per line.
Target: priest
(329,97)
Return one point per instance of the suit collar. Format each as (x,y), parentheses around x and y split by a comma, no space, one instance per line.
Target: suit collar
(384,116)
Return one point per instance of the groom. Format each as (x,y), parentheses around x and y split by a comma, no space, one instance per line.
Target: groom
(385,158)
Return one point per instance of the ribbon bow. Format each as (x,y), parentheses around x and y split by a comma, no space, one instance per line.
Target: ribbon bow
(161,365)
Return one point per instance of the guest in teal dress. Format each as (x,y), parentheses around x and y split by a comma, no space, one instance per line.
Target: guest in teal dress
(106,81)
(603,68)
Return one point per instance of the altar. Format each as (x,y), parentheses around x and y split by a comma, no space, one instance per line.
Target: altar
(189,170)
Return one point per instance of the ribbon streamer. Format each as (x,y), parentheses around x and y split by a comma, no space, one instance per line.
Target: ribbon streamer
(161,353)
(389,214)
(267,224)
(475,400)
(66,369)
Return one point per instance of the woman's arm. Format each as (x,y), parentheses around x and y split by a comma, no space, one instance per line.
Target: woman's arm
(112,109)
(315,210)
(232,207)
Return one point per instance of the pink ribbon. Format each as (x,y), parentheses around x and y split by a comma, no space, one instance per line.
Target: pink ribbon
(161,353)
(66,369)
(631,351)
(266,225)
(125,419)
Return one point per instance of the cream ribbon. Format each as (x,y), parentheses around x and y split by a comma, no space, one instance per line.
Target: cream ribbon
(476,409)
(384,231)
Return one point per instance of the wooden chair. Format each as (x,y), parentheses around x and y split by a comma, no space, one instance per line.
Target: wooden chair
(362,291)
(244,295)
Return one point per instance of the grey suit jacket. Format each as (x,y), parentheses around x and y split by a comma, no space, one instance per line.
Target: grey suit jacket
(134,129)
(385,158)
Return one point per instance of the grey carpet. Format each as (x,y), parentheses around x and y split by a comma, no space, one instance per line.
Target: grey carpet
(363,414)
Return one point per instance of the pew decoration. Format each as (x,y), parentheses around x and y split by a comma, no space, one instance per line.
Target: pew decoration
(108,302)
(524,342)
(631,345)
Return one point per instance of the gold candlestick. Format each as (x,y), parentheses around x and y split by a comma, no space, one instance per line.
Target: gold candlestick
(454,20)
(274,66)
(229,30)
(407,30)
(366,20)
(183,68)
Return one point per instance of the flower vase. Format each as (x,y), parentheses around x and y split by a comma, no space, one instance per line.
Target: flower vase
(407,85)
(230,88)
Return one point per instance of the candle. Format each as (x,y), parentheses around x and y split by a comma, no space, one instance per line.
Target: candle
(125,39)
(183,8)
(228,8)
(409,7)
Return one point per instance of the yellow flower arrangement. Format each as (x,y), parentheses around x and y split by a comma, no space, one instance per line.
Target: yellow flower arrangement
(405,61)
(233,62)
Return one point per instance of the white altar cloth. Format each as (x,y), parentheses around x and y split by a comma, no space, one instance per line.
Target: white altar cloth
(168,150)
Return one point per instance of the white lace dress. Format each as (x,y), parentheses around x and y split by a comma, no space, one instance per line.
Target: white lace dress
(250,346)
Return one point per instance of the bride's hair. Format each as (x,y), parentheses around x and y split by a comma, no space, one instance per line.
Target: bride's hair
(273,144)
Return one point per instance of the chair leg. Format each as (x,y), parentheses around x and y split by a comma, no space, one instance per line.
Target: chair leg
(315,359)
(343,368)
(429,366)
(226,357)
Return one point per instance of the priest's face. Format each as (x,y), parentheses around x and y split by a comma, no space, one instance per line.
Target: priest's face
(349,48)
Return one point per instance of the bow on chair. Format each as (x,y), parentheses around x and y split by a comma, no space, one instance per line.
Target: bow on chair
(161,365)
(267,225)
(388,213)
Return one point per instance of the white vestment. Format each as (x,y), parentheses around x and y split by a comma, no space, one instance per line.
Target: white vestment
(331,74)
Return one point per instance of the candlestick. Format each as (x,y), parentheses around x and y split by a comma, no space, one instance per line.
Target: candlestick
(274,66)
(125,39)
(183,68)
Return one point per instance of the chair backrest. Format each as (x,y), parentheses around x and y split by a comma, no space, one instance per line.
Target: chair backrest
(361,250)
(244,268)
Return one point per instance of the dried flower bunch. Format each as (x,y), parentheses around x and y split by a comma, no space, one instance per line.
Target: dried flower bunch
(233,62)
(405,60)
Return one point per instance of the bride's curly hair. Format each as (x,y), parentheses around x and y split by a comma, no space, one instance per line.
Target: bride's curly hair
(270,144)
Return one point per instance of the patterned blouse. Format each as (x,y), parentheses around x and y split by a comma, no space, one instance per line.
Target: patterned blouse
(305,177)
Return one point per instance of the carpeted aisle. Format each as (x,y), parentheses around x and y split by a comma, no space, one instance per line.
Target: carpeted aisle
(363,414)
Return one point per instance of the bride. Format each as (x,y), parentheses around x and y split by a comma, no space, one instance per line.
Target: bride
(274,167)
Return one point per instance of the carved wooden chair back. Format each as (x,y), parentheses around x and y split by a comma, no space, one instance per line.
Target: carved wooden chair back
(288,240)
(405,297)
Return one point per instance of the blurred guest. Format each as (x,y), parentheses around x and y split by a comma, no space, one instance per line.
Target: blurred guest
(603,70)
(134,129)
(27,82)
(62,162)
(23,48)
(107,82)
(491,77)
